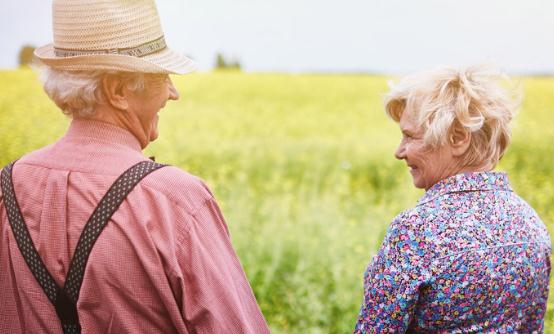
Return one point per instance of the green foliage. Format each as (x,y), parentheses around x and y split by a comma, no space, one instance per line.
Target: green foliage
(303,168)
(26,55)
(222,64)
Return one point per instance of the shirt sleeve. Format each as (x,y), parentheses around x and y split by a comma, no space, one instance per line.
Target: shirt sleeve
(394,277)
(215,295)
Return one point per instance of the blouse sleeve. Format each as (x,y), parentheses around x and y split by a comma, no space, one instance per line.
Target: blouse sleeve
(393,278)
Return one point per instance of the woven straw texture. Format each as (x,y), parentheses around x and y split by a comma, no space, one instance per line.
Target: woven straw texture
(104,26)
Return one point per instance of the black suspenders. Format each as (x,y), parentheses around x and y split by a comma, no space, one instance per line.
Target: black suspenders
(65,299)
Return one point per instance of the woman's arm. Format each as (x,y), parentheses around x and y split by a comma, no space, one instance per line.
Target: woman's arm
(394,277)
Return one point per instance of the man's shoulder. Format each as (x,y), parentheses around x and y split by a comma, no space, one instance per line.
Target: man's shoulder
(36,155)
(179,187)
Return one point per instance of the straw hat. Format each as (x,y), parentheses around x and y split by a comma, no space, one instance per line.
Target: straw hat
(120,35)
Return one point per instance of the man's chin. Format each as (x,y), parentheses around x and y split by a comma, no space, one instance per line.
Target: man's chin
(153,133)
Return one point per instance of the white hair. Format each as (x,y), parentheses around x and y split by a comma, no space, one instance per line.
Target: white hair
(78,92)
(470,99)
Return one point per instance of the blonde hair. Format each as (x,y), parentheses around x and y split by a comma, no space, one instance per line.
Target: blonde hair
(471,99)
(78,92)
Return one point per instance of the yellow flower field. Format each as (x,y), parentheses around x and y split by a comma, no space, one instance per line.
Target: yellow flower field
(303,168)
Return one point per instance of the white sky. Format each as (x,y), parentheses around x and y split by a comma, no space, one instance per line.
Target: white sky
(385,36)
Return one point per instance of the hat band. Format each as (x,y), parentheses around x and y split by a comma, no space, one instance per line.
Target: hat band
(138,51)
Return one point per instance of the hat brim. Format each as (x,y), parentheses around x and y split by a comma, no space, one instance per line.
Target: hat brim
(166,61)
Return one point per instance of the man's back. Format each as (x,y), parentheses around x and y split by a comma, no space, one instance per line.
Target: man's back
(163,264)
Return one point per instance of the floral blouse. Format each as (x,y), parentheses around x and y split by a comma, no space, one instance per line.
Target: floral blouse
(471,257)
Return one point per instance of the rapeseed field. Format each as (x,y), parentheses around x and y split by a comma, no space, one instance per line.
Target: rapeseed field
(303,168)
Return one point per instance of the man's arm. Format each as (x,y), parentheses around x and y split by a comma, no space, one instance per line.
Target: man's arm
(216,296)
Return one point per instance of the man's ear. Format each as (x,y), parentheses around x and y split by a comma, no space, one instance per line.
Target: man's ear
(114,91)
(459,140)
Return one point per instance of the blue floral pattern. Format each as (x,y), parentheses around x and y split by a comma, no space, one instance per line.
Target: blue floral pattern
(471,257)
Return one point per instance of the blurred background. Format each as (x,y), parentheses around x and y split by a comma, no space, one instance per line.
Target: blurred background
(285,123)
(353,36)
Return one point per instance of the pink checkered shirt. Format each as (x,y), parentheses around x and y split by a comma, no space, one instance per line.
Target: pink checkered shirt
(163,264)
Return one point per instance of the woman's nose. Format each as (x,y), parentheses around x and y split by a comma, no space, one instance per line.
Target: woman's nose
(400,152)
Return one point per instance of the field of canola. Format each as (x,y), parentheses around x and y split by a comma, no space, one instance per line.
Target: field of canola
(303,168)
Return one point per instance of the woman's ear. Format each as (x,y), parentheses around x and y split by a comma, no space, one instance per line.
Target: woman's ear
(459,140)
(113,87)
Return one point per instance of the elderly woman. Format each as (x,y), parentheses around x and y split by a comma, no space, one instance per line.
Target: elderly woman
(94,236)
(471,256)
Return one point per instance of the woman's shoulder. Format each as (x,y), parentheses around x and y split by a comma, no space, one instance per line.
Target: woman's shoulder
(409,223)
(431,230)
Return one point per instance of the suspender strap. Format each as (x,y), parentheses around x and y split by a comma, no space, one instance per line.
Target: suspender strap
(98,220)
(65,299)
(23,239)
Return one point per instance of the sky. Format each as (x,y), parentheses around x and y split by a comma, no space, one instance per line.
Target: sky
(368,36)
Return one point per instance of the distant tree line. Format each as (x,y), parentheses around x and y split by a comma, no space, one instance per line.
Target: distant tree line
(225,64)
(26,55)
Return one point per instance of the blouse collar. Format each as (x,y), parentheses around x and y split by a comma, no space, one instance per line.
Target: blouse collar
(468,182)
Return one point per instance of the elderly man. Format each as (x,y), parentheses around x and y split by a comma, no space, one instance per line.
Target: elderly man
(96,238)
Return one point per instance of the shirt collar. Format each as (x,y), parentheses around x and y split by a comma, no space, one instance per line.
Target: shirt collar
(467,182)
(93,131)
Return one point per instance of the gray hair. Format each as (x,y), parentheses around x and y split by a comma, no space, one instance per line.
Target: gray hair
(78,93)
(447,99)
